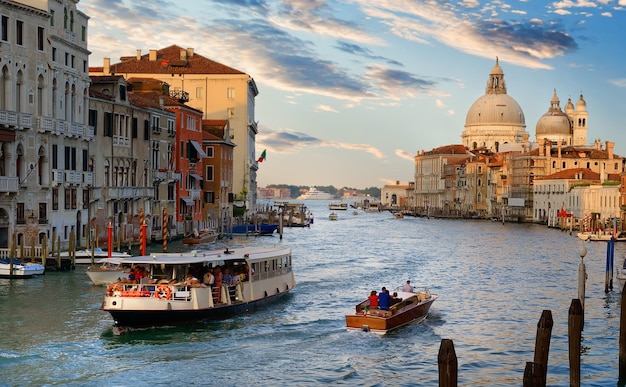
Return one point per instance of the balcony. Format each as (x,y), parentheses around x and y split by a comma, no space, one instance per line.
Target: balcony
(8,118)
(159,175)
(26,121)
(195,194)
(77,130)
(180,95)
(9,184)
(88,178)
(74,177)
(45,124)
(58,176)
(61,127)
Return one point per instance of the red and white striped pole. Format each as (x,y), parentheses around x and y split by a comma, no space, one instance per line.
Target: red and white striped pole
(164,228)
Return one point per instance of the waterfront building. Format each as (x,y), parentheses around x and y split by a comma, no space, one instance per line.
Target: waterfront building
(566,128)
(431,189)
(395,196)
(44,176)
(160,130)
(219,91)
(218,174)
(119,160)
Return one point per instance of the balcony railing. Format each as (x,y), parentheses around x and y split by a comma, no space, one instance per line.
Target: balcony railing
(8,118)
(9,184)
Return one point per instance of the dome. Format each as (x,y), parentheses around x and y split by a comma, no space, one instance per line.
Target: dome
(554,124)
(495,109)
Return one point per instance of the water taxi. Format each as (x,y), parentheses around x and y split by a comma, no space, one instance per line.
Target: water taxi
(261,276)
(411,307)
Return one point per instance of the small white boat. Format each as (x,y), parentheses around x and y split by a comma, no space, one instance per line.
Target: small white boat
(83,257)
(265,275)
(333,216)
(106,271)
(599,236)
(398,215)
(19,269)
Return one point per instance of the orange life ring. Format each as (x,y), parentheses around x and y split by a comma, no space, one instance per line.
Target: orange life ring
(163,292)
(113,288)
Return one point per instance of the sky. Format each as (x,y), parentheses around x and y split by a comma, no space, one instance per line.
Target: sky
(350,91)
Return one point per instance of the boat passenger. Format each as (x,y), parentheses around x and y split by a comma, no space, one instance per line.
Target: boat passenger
(192,281)
(383,299)
(234,280)
(373,299)
(208,279)
(394,299)
(227,277)
(407,287)
(218,283)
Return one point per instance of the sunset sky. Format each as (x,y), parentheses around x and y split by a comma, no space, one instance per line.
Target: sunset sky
(350,91)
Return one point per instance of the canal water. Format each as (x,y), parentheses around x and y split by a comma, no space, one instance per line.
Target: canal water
(494,282)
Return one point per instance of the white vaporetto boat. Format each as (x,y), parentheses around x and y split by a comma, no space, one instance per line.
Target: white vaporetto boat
(315,194)
(19,269)
(265,275)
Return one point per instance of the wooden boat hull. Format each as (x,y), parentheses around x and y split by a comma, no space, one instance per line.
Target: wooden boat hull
(381,322)
(202,239)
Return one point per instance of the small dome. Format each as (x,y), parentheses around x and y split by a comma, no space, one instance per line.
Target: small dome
(553,124)
(496,70)
(569,107)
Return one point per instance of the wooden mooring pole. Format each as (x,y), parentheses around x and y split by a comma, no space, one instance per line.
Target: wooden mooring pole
(535,373)
(448,364)
(622,341)
(574,334)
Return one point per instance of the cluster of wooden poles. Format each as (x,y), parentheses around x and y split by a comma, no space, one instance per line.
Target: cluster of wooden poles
(535,373)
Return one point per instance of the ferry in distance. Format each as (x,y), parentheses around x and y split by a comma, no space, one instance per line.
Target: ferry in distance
(315,194)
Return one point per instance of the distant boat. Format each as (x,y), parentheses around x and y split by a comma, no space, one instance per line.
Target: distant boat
(251,229)
(201,237)
(314,194)
(338,206)
(19,269)
(333,216)
(106,271)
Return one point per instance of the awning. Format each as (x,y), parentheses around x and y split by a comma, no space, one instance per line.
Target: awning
(188,201)
(198,148)
(197,177)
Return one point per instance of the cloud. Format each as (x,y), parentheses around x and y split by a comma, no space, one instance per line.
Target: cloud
(288,142)
(399,84)
(356,49)
(523,42)
(619,82)
(574,4)
(404,155)
(325,108)
(606,14)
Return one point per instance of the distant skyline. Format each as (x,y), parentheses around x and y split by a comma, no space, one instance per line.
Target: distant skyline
(350,91)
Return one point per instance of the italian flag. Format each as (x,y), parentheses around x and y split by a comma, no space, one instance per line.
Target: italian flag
(260,160)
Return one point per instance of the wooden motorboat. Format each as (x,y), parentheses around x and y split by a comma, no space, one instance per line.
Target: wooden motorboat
(200,237)
(338,206)
(398,215)
(265,275)
(413,307)
(333,216)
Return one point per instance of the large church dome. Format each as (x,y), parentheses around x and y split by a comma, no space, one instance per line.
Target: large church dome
(554,124)
(495,118)
(498,109)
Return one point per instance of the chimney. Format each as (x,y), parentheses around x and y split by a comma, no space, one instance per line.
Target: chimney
(138,54)
(609,149)
(161,102)
(183,54)
(152,56)
(190,52)
(397,182)
(106,67)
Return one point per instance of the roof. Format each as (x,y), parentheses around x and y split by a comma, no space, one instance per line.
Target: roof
(574,173)
(448,150)
(199,256)
(171,60)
